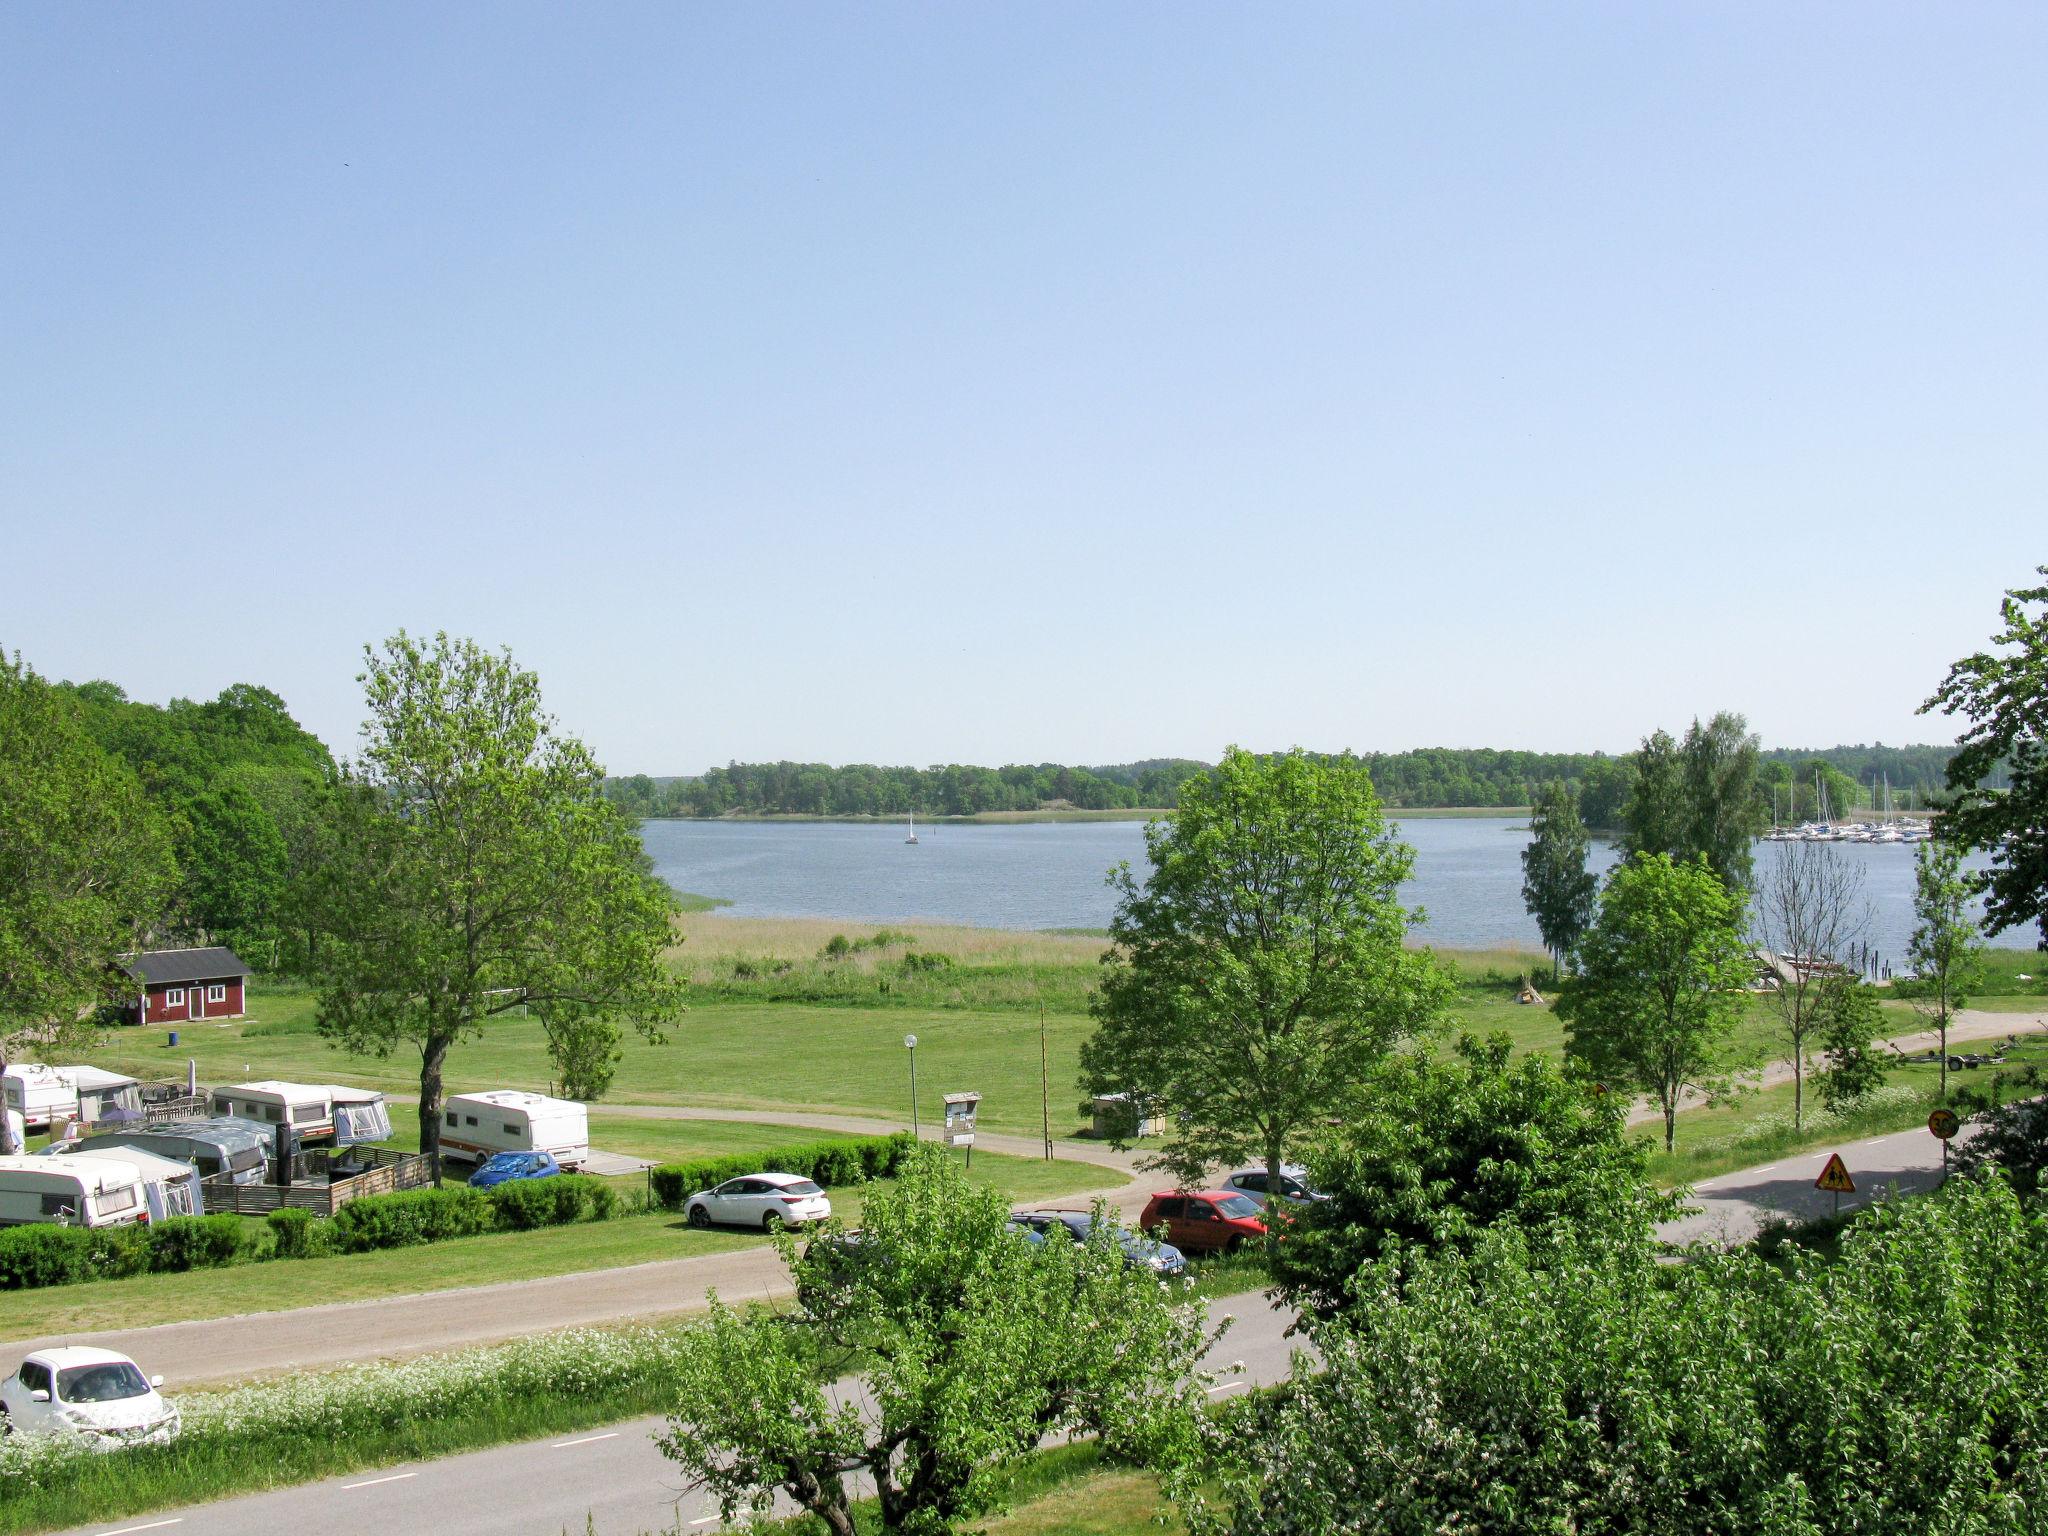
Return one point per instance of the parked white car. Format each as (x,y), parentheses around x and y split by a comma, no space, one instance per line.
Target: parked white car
(1294,1185)
(93,1393)
(763,1200)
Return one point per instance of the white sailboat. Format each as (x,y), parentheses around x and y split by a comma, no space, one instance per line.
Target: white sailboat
(913,828)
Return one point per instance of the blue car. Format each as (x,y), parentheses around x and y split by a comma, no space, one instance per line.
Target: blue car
(504,1167)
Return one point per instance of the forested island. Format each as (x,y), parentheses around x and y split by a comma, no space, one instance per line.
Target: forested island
(1473,778)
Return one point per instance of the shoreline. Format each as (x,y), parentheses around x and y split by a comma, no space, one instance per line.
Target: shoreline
(1016,818)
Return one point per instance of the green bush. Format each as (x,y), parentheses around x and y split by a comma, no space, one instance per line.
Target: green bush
(524,1204)
(294,1234)
(412,1216)
(43,1255)
(831,1163)
(194,1242)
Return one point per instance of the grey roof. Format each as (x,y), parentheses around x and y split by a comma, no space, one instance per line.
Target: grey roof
(176,965)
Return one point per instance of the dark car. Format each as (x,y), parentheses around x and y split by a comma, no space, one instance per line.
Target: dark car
(504,1167)
(1205,1221)
(1140,1252)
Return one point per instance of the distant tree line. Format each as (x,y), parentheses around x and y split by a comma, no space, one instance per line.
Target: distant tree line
(1475,778)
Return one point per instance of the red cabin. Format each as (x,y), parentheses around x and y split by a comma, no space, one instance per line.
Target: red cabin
(181,986)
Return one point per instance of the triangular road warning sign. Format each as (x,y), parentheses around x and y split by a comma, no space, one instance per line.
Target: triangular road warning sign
(1835,1177)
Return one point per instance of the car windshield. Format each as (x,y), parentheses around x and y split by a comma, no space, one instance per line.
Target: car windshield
(108,1382)
(1237,1206)
(802,1187)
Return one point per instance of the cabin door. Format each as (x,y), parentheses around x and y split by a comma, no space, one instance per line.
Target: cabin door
(195,1002)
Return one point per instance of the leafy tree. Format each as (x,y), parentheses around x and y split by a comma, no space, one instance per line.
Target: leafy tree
(1699,798)
(1847,1023)
(236,870)
(1895,1390)
(1604,790)
(1448,1148)
(1655,818)
(85,869)
(1945,948)
(1809,909)
(2003,694)
(475,867)
(1258,975)
(974,1344)
(1660,982)
(1557,887)
(2008,1129)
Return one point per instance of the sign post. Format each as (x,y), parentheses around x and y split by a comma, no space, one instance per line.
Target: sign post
(1835,1178)
(910,1045)
(1944,1124)
(960,1108)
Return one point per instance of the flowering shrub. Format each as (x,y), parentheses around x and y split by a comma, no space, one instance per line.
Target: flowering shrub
(831,1163)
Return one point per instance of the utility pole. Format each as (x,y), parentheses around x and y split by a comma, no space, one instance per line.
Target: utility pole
(910,1044)
(1044,1086)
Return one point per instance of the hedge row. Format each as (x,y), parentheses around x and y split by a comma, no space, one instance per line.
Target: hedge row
(831,1163)
(40,1255)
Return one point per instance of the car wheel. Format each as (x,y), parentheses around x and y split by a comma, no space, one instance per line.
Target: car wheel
(773,1221)
(699,1217)
(1232,1248)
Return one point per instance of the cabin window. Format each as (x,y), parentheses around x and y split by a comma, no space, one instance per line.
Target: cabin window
(272,1113)
(60,1205)
(116,1200)
(470,1118)
(511,1130)
(305,1114)
(174,997)
(216,993)
(453,1118)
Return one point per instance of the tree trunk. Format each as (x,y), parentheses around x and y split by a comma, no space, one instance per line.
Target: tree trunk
(1941,1021)
(1670,1120)
(1798,1081)
(432,1055)
(1272,1193)
(7,1146)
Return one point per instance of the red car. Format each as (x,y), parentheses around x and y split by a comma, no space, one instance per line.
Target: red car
(1205,1221)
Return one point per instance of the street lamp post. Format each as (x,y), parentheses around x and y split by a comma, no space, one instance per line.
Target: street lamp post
(910,1044)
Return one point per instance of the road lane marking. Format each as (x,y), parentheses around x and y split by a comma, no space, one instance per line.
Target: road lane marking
(1228,1386)
(153,1525)
(563,1445)
(396,1477)
(705,1521)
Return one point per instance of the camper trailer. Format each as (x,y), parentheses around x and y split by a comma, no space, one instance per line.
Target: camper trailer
(105,1096)
(40,1095)
(319,1112)
(74,1190)
(475,1125)
(169,1187)
(238,1148)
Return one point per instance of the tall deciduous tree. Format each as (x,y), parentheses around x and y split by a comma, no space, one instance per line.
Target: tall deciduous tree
(1946,949)
(1809,909)
(1699,797)
(476,867)
(1557,887)
(975,1346)
(1659,984)
(1258,975)
(1847,1024)
(85,868)
(2003,694)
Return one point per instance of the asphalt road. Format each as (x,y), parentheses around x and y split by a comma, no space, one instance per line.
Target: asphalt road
(1731,1208)
(613,1476)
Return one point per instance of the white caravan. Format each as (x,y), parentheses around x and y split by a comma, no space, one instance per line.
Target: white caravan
(77,1190)
(319,1112)
(105,1096)
(40,1095)
(475,1125)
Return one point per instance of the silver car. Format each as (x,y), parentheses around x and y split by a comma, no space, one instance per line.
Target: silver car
(764,1200)
(94,1395)
(1294,1185)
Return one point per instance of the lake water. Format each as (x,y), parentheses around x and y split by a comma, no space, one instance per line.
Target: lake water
(1468,874)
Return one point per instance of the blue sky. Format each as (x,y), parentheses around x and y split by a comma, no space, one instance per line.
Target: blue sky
(1070,382)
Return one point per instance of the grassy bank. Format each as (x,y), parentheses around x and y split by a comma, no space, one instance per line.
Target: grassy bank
(1758,1127)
